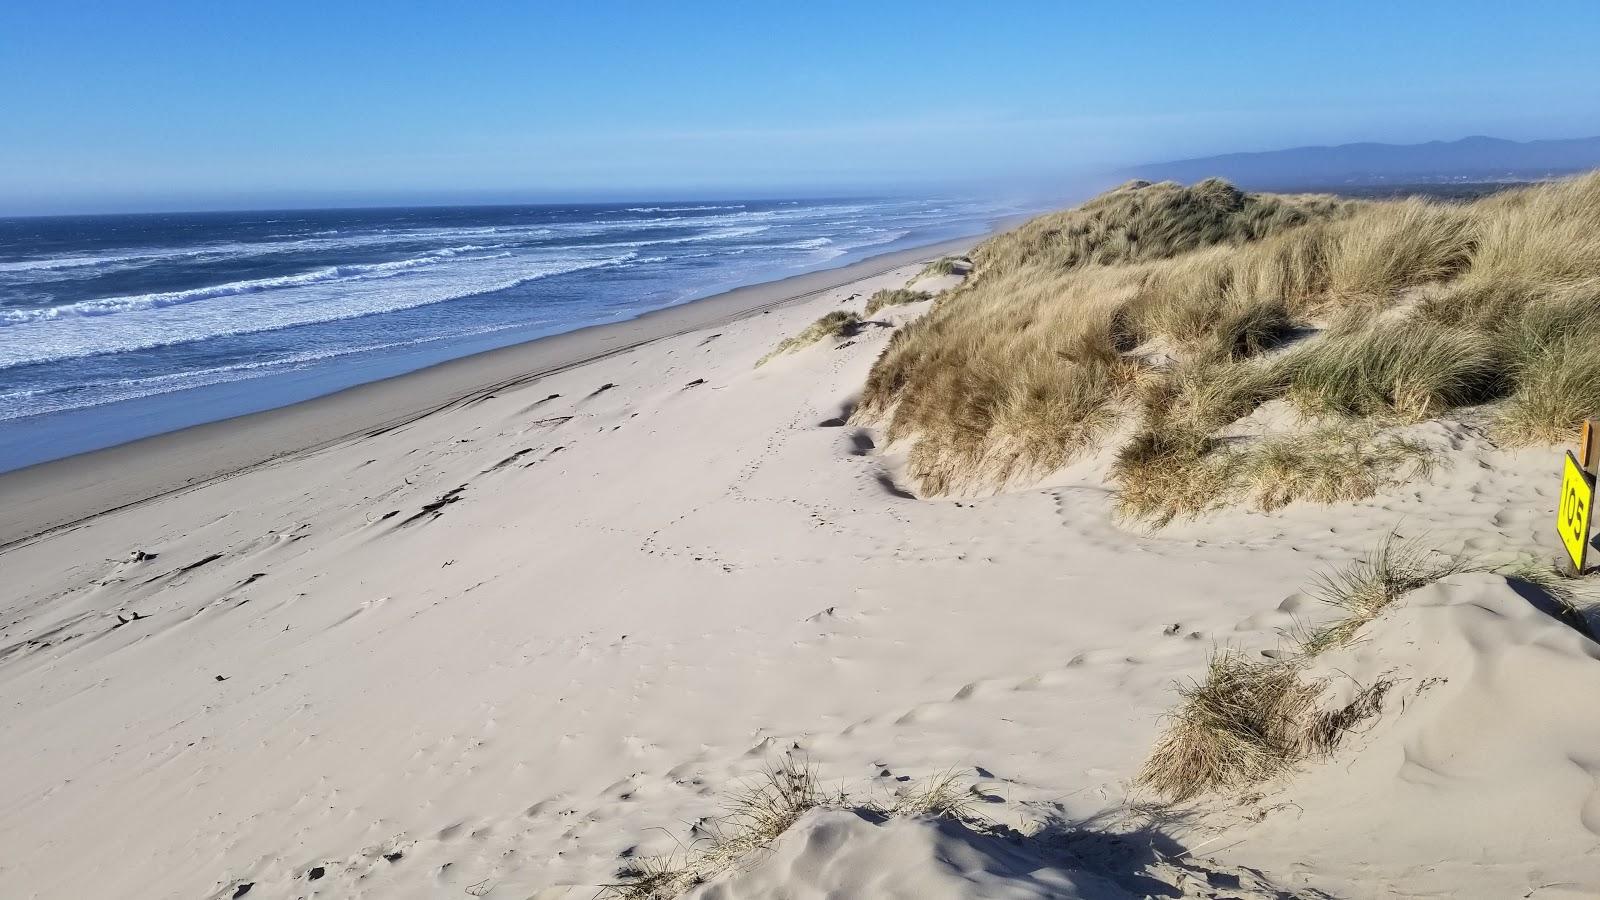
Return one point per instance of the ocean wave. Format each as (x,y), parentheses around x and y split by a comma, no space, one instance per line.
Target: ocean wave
(341,239)
(245,249)
(71,395)
(290,305)
(112,305)
(719,235)
(661,209)
(71,262)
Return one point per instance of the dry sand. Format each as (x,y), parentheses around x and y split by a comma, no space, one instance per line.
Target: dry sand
(496,646)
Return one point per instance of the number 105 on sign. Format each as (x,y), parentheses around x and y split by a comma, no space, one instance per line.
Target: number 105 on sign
(1572,516)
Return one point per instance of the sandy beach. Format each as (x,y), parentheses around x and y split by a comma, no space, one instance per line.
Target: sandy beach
(496,628)
(53,494)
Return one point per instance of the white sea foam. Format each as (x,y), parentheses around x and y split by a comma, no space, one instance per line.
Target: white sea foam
(144,322)
(19,404)
(33,268)
(336,239)
(660,209)
(112,305)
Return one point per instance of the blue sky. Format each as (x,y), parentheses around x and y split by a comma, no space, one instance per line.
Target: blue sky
(111,106)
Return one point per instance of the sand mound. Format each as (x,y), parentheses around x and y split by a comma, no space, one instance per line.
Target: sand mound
(1483,769)
(841,853)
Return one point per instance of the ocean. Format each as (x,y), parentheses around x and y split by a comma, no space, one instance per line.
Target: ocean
(118,327)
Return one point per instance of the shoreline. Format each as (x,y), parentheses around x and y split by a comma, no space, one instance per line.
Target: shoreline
(59,494)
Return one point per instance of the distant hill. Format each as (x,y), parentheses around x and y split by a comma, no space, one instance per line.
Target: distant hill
(1472,159)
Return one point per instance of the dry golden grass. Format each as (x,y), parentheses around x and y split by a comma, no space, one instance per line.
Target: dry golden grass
(896,297)
(1327,465)
(837,324)
(1178,311)
(944,265)
(1246,721)
(999,403)
(1396,245)
(1162,480)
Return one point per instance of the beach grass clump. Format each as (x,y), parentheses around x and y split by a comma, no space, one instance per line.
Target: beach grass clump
(1556,392)
(1408,371)
(1331,464)
(1548,234)
(893,297)
(1251,328)
(1247,720)
(763,808)
(1204,393)
(653,878)
(760,810)
(1365,588)
(837,324)
(1398,245)
(944,265)
(1161,476)
(1553,358)
(945,795)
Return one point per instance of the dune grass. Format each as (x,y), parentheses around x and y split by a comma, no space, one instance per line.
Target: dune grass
(761,809)
(837,324)
(1365,588)
(944,265)
(1251,719)
(1164,314)
(757,813)
(1244,722)
(1342,462)
(896,297)
(1141,221)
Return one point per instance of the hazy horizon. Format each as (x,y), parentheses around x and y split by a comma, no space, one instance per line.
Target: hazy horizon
(205,107)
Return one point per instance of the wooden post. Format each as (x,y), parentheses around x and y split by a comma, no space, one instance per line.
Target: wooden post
(1588,451)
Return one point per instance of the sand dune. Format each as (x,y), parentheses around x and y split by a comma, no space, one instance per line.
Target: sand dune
(500,648)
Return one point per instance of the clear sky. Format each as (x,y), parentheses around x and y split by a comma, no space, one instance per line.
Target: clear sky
(119,105)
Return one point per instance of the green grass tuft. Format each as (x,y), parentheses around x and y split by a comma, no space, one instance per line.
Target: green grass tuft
(837,324)
(897,297)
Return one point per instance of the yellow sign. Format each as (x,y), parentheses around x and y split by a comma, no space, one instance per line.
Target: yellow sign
(1572,517)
